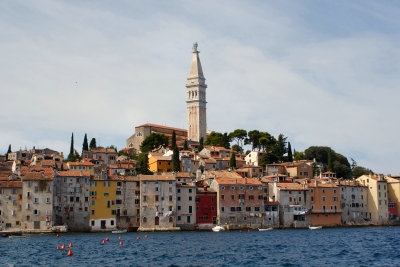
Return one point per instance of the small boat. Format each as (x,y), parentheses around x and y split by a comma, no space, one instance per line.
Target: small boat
(218,228)
(18,236)
(265,229)
(119,231)
(314,227)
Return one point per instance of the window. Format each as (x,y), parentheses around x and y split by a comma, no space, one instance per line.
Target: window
(222,197)
(106,184)
(323,198)
(248,208)
(179,218)
(190,198)
(233,209)
(113,212)
(212,199)
(179,190)
(108,204)
(238,209)
(222,187)
(190,190)
(197,199)
(179,207)
(190,209)
(156,189)
(233,197)
(232,188)
(251,197)
(212,207)
(93,193)
(86,199)
(92,212)
(144,219)
(144,198)
(256,208)
(290,199)
(312,198)
(251,188)
(222,209)
(170,198)
(35,212)
(106,194)
(36,200)
(47,200)
(93,203)
(179,198)
(335,199)
(299,199)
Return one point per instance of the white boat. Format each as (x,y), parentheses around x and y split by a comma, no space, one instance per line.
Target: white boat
(18,236)
(314,227)
(119,231)
(218,228)
(60,229)
(265,229)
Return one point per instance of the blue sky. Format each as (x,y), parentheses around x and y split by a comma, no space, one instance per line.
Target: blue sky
(321,72)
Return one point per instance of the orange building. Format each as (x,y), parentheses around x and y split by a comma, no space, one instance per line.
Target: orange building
(325,204)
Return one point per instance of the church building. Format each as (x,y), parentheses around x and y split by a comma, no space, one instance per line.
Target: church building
(196,111)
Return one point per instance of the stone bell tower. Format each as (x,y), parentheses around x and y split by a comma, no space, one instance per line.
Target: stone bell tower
(196,99)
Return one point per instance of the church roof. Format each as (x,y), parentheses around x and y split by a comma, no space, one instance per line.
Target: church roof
(195,67)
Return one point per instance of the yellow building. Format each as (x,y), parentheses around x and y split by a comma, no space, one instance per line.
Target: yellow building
(160,164)
(102,204)
(377,197)
(394,191)
(81,166)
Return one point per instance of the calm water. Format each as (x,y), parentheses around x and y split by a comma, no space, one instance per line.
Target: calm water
(377,246)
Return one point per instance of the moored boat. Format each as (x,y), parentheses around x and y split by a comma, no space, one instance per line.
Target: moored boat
(218,228)
(119,231)
(314,227)
(265,229)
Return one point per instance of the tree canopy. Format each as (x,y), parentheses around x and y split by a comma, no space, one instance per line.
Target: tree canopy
(214,139)
(85,145)
(232,161)
(176,166)
(201,145)
(238,135)
(93,143)
(154,141)
(143,164)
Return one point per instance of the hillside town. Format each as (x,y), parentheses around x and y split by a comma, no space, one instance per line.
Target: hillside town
(186,184)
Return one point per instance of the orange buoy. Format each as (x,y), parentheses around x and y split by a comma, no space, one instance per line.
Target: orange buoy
(70,245)
(63,246)
(121,243)
(145,236)
(70,253)
(107,239)
(138,238)
(103,242)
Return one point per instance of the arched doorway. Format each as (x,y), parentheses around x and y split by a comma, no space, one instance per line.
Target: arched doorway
(157,220)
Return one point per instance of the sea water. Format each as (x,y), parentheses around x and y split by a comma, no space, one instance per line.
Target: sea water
(369,246)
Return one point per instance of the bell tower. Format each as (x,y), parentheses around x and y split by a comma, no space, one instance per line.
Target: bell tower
(196,99)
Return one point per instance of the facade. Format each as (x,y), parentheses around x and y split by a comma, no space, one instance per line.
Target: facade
(240,201)
(393,186)
(275,169)
(186,161)
(86,166)
(37,201)
(250,171)
(106,155)
(160,164)
(102,204)
(325,204)
(185,205)
(377,197)
(10,204)
(299,169)
(206,207)
(254,158)
(353,201)
(128,202)
(196,99)
(294,204)
(71,200)
(158,202)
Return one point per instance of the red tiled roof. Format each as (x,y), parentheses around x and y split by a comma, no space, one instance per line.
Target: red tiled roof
(73,173)
(37,176)
(168,177)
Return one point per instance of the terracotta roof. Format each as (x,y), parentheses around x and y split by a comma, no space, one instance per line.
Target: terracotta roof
(73,173)
(209,160)
(85,163)
(48,163)
(37,176)
(7,184)
(291,186)
(322,185)
(161,126)
(168,177)
(229,181)
(121,166)
(227,174)
(124,178)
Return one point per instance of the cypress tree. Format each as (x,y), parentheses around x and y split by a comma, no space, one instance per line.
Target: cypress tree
(85,145)
(232,161)
(185,146)
(173,140)
(8,151)
(201,146)
(93,143)
(71,156)
(175,160)
(330,168)
(143,164)
(289,153)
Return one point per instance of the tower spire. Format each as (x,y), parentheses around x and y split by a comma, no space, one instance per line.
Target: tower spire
(196,100)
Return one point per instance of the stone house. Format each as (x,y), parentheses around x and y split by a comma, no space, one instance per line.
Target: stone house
(254,158)
(158,202)
(81,166)
(185,205)
(353,201)
(128,202)
(71,200)
(37,201)
(294,204)
(10,204)
(106,155)
(206,207)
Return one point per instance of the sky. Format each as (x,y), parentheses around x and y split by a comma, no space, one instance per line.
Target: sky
(323,73)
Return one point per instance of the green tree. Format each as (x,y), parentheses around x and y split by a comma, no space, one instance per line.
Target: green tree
(225,141)
(173,140)
(253,140)
(85,145)
(280,148)
(93,143)
(236,148)
(268,158)
(143,164)
(176,167)
(214,139)
(154,141)
(330,166)
(71,155)
(266,141)
(8,151)
(238,135)
(232,161)
(298,155)
(185,146)
(360,171)
(289,153)
(201,145)
(341,170)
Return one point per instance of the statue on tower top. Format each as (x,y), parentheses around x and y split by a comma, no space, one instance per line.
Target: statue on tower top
(195,47)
